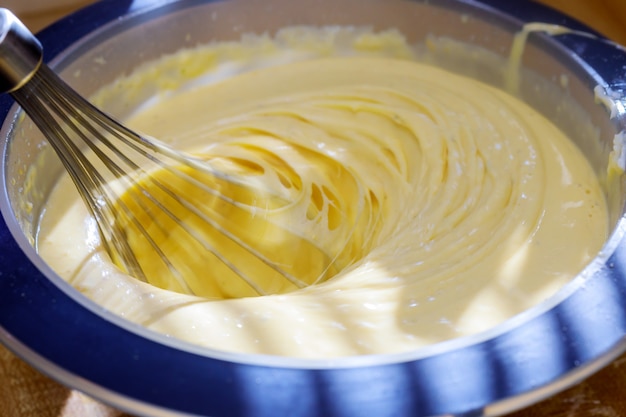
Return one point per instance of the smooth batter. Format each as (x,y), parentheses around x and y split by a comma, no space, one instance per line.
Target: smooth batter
(460,206)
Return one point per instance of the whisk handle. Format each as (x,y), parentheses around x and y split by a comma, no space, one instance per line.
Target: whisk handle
(20,52)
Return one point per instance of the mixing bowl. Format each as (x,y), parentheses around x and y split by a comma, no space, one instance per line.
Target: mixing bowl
(575,80)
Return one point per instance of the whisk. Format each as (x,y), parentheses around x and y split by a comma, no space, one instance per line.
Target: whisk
(183,223)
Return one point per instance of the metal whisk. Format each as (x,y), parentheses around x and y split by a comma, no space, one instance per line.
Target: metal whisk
(188,224)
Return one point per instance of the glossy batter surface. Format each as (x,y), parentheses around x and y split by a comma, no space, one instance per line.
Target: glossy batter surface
(452,205)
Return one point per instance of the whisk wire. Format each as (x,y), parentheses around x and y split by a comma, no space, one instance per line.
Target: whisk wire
(92,187)
(101,197)
(94,128)
(129,138)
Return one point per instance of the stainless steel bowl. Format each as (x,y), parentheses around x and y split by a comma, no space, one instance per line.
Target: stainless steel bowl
(531,356)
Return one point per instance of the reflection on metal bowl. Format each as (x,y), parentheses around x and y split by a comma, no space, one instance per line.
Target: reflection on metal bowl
(531,356)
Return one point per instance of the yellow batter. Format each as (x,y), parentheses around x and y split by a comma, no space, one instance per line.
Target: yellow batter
(455,205)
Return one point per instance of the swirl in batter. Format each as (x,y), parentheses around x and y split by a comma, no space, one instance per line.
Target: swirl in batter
(449,205)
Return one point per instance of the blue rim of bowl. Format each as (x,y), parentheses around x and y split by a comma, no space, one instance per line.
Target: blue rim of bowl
(529,358)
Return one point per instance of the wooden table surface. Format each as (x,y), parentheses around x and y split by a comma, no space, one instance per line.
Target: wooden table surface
(26,393)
